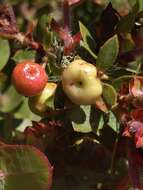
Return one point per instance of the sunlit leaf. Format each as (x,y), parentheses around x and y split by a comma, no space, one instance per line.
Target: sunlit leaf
(86,118)
(113,122)
(109,95)
(134,66)
(80,118)
(22,55)
(108,53)
(87,39)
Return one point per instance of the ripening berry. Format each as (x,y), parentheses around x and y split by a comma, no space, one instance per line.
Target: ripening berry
(29,78)
(81,83)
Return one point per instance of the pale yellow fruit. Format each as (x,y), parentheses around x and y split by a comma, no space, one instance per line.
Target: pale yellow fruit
(80,82)
(37,103)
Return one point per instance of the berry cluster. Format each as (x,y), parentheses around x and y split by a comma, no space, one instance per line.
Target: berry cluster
(80,83)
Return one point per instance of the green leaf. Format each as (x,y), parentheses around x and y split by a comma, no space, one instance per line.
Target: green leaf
(10,100)
(76,114)
(24,112)
(127,22)
(85,118)
(132,2)
(84,126)
(96,120)
(140,5)
(109,95)
(22,55)
(121,80)
(135,66)
(43,33)
(87,39)
(108,53)
(113,122)
(24,167)
(50,103)
(20,127)
(4,52)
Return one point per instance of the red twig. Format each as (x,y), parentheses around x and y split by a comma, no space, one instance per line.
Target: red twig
(66,10)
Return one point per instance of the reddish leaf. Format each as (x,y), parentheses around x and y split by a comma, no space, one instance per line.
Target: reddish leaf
(73,2)
(71,43)
(68,45)
(136,86)
(100,104)
(24,167)
(137,114)
(133,168)
(126,133)
(135,128)
(32,139)
(139,138)
(124,90)
(59,30)
(77,38)
(138,158)
(124,183)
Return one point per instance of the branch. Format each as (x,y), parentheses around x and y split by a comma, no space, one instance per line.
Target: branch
(133,167)
(66,10)
(9,30)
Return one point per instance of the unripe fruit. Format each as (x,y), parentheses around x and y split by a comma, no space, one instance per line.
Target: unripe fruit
(80,82)
(37,103)
(29,78)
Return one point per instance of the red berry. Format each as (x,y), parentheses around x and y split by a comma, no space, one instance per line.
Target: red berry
(29,78)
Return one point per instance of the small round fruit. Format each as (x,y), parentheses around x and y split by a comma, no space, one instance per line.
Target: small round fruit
(80,83)
(38,104)
(29,78)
